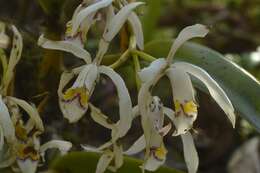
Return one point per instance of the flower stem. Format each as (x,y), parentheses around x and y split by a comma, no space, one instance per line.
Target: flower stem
(137,68)
(143,55)
(121,60)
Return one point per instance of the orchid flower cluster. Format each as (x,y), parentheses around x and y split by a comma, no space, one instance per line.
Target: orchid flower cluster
(19,140)
(20,146)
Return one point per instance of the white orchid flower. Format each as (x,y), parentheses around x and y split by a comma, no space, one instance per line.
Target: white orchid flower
(19,142)
(82,20)
(156,155)
(74,100)
(186,108)
(112,150)
(24,148)
(85,13)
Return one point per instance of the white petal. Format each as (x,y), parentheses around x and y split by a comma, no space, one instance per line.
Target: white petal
(152,164)
(100,118)
(97,149)
(63,146)
(91,149)
(137,29)
(165,130)
(125,103)
(137,147)
(6,122)
(67,46)
(148,73)
(15,56)
(27,166)
(119,19)
(182,124)
(169,113)
(156,139)
(104,162)
(71,110)
(144,98)
(16,50)
(214,89)
(80,81)
(186,34)
(118,155)
(31,111)
(85,26)
(155,113)
(110,13)
(88,11)
(190,153)
(135,111)
(92,77)
(4,40)
(182,89)
(76,12)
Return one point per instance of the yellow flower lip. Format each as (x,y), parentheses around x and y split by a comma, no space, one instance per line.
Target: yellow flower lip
(81,93)
(27,152)
(189,108)
(20,132)
(159,153)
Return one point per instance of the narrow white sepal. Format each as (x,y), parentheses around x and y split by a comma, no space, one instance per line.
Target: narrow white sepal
(190,153)
(186,34)
(152,164)
(62,146)
(137,147)
(125,103)
(16,51)
(118,20)
(100,118)
(137,29)
(104,162)
(67,46)
(148,73)
(88,11)
(27,166)
(6,122)
(31,110)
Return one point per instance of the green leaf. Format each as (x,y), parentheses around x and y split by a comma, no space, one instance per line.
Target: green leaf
(82,162)
(241,87)
(151,18)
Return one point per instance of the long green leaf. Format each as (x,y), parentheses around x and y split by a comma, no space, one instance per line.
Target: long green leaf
(85,162)
(241,87)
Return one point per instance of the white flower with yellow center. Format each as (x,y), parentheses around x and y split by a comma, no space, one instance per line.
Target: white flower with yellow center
(156,155)
(19,142)
(74,99)
(183,93)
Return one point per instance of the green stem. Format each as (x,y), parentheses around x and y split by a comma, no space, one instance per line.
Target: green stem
(143,55)
(137,70)
(121,60)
